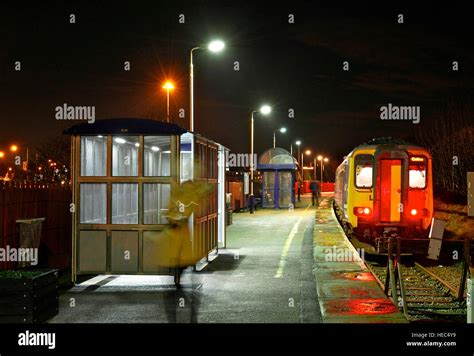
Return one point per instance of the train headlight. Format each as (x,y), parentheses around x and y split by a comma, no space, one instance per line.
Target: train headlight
(413,212)
(366,211)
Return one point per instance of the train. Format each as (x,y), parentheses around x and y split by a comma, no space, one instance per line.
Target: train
(385,188)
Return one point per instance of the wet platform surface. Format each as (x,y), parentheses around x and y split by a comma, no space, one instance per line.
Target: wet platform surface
(347,291)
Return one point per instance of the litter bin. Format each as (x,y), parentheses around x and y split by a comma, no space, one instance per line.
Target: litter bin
(29,231)
(228,209)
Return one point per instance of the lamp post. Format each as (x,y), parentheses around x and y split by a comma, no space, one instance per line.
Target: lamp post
(282,130)
(265,110)
(322,160)
(325,160)
(215,47)
(168,86)
(307,153)
(298,143)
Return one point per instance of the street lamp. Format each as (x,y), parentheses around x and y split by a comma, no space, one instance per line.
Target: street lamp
(265,110)
(322,160)
(282,130)
(168,86)
(307,153)
(14,148)
(215,47)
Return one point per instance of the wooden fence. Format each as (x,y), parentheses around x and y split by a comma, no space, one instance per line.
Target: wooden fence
(34,200)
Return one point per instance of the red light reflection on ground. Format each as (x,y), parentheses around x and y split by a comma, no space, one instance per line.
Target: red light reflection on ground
(359,276)
(360,307)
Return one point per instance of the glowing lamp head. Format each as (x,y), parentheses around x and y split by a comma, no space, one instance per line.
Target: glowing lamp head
(283,130)
(265,109)
(298,143)
(155,148)
(216,46)
(320,158)
(308,152)
(326,159)
(13,148)
(2,154)
(168,86)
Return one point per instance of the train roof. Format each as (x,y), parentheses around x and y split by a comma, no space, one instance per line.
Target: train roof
(127,126)
(385,142)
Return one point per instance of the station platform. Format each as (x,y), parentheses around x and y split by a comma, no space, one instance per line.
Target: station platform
(347,291)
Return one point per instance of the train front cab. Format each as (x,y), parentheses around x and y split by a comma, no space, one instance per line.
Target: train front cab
(391,191)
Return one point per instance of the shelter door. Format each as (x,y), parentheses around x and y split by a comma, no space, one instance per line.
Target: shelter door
(390,189)
(285,188)
(268,189)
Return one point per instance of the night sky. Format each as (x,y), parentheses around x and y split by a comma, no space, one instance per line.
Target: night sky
(297,66)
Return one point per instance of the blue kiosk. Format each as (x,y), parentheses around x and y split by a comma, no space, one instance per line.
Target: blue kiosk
(278,168)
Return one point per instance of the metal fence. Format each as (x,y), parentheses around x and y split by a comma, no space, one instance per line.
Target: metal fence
(34,200)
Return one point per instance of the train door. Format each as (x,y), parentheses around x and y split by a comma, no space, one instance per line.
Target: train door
(390,189)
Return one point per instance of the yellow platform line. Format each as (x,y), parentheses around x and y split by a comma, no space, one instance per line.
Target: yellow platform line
(287,245)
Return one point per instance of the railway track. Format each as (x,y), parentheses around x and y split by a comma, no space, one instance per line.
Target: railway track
(428,296)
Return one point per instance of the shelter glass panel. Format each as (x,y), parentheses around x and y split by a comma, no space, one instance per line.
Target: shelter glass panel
(156,199)
(93,203)
(125,156)
(93,156)
(124,203)
(157,156)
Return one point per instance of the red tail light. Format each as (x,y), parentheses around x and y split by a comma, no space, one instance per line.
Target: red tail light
(361,211)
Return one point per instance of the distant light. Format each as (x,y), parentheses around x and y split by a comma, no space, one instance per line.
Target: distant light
(13,148)
(326,159)
(265,109)
(298,143)
(283,130)
(155,148)
(137,144)
(119,140)
(308,152)
(10,169)
(168,85)
(216,46)
(2,154)
(320,158)
(100,136)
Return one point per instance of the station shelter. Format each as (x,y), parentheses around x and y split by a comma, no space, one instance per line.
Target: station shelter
(123,174)
(278,168)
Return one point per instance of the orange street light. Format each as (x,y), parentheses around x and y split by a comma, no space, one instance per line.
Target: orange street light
(168,86)
(13,148)
(2,154)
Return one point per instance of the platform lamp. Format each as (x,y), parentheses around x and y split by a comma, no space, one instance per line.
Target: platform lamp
(215,46)
(264,110)
(282,130)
